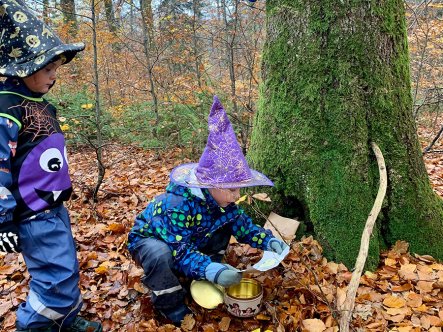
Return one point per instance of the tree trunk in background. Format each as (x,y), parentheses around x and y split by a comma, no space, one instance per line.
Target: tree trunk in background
(45,13)
(336,78)
(110,16)
(131,15)
(68,9)
(196,21)
(98,113)
(230,35)
(148,35)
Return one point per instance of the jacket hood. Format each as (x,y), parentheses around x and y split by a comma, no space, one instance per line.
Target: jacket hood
(17,85)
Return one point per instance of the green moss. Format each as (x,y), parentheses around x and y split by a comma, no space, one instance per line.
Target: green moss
(335,78)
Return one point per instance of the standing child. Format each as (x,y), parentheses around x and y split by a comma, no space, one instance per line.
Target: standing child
(186,230)
(34,176)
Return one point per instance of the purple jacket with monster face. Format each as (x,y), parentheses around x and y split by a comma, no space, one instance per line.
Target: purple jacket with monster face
(34,174)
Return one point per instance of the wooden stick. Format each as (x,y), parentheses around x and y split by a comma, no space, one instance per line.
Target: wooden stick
(348,305)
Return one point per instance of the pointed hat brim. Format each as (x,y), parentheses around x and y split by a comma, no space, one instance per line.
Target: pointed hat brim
(185,175)
(33,65)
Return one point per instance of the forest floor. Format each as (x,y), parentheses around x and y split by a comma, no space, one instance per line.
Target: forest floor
(404,294)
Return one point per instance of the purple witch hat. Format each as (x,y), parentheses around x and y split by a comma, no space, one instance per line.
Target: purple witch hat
(222,164)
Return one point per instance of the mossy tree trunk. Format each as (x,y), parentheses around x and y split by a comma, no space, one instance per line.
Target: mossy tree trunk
(335,77)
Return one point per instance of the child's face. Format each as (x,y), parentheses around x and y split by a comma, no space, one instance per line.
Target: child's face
(224,197)
(44,79)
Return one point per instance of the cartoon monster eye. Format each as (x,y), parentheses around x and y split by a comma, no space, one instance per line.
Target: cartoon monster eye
(51,160)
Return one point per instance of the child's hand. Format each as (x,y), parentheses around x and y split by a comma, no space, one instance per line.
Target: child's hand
(223,274)
(9,240)
(277,246)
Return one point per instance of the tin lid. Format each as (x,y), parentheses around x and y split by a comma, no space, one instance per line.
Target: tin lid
(206,294)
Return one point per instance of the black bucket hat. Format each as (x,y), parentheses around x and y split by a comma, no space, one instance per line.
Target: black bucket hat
(27,44)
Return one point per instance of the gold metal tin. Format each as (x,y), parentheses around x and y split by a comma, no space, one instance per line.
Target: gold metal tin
(244,299)
(247,289)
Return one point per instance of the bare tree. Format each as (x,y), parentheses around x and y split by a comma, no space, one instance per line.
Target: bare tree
(148,45)
(196,21)
(110,15)
(98,115)
(45,13)
(69,16)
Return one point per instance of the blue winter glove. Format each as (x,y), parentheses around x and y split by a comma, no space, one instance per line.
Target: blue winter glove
(9,240)
(223,274)
(276,246)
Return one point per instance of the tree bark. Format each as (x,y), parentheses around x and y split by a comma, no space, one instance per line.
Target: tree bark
(68,9)
(110,16)
(196,47)
(148,43)
(230,26)
(45,13)
(98,114)
(335,77)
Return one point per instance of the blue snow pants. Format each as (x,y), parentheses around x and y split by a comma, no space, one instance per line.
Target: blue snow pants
(155,257)
(49,252)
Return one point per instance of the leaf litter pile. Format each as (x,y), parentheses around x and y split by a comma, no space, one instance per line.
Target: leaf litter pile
(304,293)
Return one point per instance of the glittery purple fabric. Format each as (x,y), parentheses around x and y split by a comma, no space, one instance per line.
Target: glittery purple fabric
(222,164)
(222,160)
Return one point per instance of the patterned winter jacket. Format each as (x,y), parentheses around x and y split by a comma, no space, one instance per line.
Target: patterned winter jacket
(186,223)
(34,173)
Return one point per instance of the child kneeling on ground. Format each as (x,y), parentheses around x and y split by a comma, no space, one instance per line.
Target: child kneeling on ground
(185,231)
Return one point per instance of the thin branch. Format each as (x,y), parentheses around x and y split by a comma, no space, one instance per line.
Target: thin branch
(348,305)
(429,147)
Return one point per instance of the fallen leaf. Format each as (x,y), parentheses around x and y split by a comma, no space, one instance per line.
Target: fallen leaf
(102,269)
(400,247)
(224,324)
(188,323)
(414,300)
(425,258)
(390,262)
(117,228)
(7,269)
(241,199)
(424,286)
(402,288)
(313,325)
(407,271)
(394,302)
(5,307)
(262,197)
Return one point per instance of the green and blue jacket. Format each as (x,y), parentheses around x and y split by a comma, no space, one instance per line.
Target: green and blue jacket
(186,222)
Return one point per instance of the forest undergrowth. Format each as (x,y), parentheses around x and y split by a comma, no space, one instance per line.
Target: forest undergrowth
(304,293)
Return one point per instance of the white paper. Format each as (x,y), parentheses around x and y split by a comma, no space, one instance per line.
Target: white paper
(269,260)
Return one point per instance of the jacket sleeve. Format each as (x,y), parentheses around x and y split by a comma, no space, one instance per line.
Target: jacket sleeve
(8,143)
(245,231)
